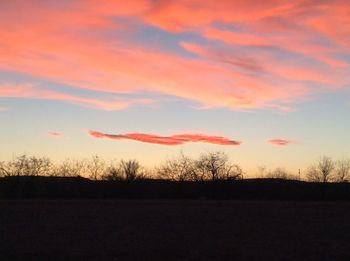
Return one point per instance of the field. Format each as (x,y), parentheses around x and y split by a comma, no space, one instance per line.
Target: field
(173,230)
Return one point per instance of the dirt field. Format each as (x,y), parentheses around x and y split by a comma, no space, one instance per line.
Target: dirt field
(173,230)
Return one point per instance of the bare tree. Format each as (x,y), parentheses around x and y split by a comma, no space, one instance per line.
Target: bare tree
(278,173)
(312,174)
(322,171)
(232,172)
(146,173)
(179,169)
(128,170)
(326,166)
(131,169)
(95,167)
(24,165)
(342,170)
(18,166)
(3,169)
(71,168)
(215,165)
(112,173)
(39,166)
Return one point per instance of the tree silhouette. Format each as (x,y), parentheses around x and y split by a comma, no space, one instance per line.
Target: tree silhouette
(95,167)
(280,173)
(209,166)
(179,169)
(342,170)
(24,165)
(128,170)
(322,171)
(131,169)
(215,166)
(70,168)
(3,169)
(112,173)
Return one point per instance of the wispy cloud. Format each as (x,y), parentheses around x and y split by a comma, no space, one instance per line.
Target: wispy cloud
(33,91)
(177,139)
(280,142)
(55,134)
(246,54)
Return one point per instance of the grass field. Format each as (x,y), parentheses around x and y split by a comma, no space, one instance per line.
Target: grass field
(173,230)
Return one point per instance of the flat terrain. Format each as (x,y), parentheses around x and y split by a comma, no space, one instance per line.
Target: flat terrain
(173,230)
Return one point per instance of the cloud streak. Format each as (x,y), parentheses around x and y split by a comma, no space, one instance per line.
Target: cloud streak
(32,91)
(178,139)
(55,134)
(280,142)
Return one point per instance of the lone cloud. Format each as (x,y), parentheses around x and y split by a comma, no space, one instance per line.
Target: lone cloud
(177,139)
(54,134)
(280,142)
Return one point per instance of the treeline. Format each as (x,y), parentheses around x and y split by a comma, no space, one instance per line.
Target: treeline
(210,166)
(210,176)
(325,170)
(94,168)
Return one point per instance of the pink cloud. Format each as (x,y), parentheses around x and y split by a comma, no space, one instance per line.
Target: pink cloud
(177,139)
(302,44)
(280,142)
(89,45)
(34,92)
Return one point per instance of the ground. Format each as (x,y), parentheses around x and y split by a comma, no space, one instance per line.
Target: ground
(173,230)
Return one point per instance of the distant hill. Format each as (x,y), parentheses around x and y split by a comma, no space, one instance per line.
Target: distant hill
(248,189)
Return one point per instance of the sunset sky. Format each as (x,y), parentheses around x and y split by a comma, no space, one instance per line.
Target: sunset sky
(267,82)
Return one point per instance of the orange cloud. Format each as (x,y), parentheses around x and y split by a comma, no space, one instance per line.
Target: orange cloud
(178,139)
(182,15)
(280,142)
(255,55)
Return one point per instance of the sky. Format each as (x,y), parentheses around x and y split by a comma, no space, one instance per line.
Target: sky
(267,82)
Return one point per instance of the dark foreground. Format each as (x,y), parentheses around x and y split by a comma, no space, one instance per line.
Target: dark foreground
(173,230)
(41,187)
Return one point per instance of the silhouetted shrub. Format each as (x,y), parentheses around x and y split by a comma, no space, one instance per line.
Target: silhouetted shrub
(128,170)
(280,173)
